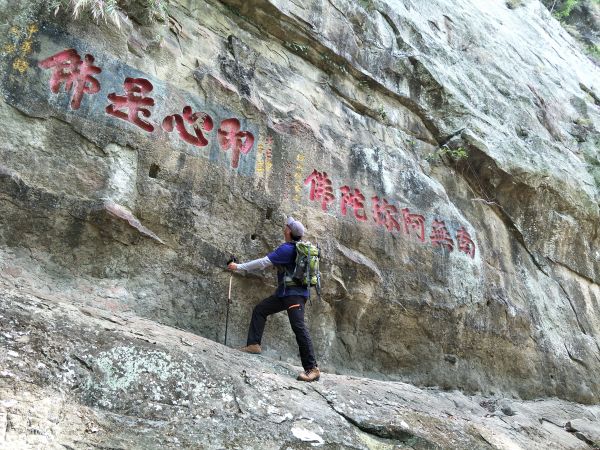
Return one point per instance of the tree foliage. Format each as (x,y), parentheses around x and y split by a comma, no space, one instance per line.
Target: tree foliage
(115,11)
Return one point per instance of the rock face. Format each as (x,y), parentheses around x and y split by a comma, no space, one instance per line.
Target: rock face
(443,154)
(582,20)
(80,377)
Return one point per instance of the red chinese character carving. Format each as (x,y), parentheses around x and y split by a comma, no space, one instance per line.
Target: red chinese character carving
(321,188)
(230,136)
(415,222)
(67,67)
(134,102)
(355,200)
(440,236)
(205,122)
(465,244)
(385,214)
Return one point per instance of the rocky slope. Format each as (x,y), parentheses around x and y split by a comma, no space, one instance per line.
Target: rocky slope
(443,154)
(80,377)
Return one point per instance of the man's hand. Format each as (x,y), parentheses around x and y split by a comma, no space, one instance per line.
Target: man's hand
(232,266)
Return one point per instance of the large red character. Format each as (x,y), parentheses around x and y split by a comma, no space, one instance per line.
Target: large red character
(197,120)
(355,200)
(135,102)
(465,244)
(321,188)
(230,137)
(440,236)
(68,67)
(415,222)
(385,214)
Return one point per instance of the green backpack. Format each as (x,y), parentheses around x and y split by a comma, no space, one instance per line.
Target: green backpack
(306,271)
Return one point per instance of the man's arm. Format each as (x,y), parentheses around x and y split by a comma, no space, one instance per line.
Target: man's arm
(251,266)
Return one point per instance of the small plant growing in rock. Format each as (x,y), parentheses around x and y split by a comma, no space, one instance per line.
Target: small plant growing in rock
(342,68)
(583,122)
(109,10)
(381,112)
(333,65)
(99,10)
(513,4)
(298,48)
(455,153)
(367,4)
(594,50)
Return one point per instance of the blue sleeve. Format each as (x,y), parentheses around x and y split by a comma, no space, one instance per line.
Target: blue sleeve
(282,255)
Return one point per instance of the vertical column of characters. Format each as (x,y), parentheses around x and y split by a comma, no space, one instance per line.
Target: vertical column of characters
(20,46)
(264,162)
(268,158)
(298,178)
(260,160)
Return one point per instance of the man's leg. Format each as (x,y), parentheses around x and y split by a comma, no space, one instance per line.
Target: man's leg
(268,306)
(295,310)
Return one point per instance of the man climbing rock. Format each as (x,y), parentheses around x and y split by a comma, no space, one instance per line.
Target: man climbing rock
(289,298)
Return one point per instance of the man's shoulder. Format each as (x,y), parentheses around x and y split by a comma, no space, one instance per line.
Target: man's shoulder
(286,248)
(283,253)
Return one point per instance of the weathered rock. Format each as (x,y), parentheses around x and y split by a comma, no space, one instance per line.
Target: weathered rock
(376,96)
(582,20)
(88,379)
(586,430)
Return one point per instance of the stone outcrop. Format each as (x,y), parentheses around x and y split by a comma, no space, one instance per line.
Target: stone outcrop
(443,154)
(81,377)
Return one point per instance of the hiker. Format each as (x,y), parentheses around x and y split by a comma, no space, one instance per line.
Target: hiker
(289,298)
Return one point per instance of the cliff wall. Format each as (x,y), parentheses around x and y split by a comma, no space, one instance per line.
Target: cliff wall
(443,154)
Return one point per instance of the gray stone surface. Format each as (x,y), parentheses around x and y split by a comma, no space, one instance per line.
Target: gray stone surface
(80,377)
(583,23)
(99,212)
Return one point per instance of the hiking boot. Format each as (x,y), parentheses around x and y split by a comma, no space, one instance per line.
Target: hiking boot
(310,375)
(252,348)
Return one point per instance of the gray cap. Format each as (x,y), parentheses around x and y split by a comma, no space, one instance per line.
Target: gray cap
(296,227)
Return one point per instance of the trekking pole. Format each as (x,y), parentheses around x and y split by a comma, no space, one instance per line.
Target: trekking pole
(234,260)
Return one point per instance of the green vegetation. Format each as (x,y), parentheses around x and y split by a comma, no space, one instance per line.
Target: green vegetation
(565,9)
(298,48)
(156,9)
(333,65)
(367,4)
(113,10)
(591,156)
(593,50)
(381,112)
(454,153)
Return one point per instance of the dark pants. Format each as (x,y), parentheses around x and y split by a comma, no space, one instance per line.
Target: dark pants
(294,305)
